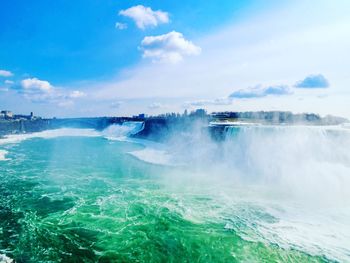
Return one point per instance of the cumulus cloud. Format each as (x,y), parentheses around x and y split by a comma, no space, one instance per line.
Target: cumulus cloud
(247,52)
(5,73)
(34,85)
(145,17)
(42,91)
(121,26)
(313,82)
(259,92)
(171,47)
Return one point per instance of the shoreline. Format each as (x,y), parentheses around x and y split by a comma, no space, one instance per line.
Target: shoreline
(158,128)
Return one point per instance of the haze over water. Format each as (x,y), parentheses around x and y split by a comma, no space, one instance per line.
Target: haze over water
(265,194)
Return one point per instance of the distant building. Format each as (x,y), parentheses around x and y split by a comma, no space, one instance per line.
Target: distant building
(7,114)
(199,113)
(140,116)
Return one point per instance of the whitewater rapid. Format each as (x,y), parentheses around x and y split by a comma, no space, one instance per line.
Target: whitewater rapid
(286,186)
(3,154)
(49,134)
(297,176)
(151,153)
(5,259)
(113,132)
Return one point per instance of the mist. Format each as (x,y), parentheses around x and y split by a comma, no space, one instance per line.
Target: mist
(285,185)
(296,176)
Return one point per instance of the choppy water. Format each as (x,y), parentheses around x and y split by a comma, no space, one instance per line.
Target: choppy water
(249,199)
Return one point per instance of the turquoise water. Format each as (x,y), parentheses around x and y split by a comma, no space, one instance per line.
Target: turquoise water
(87,199)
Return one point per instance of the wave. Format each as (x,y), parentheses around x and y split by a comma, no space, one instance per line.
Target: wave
(153,152)
(48,134)
(153,156)
(5,259)
(283,185)
(296,177)
(3,154)
(291,155)
(113,132)
(122,131)
(310,163)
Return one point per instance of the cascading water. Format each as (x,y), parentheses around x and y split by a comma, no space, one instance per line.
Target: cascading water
(263,194)
(293,155)
(123,130)
(287,185)
(302,175)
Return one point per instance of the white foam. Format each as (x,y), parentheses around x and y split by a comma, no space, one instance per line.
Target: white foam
(233,123)
(154,156)
(3,154)
(5,259)
(113,132)
(303,173)
(298,176)
(122,131)
(48,134)
(318,230)
(153,152)
(346,125)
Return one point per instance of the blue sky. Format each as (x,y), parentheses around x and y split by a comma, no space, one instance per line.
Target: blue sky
(59,58)
(66,41)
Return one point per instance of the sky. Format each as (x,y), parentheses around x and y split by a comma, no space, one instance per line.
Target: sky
(119,58)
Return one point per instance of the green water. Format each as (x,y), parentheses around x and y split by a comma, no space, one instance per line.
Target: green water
(88,200)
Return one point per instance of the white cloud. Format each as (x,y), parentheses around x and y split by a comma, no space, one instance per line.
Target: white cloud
(171,47)
(145,16)
(313,82)
(34,85)
(42,91)
(256,50)
(5,73)
(279,45)
(121,26)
